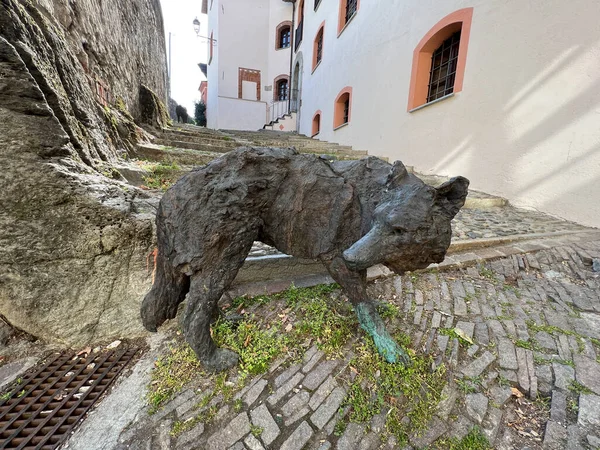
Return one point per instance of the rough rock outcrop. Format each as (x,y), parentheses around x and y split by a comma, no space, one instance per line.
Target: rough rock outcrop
(74,242)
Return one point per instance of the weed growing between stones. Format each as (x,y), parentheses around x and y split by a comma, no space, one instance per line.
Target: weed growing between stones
(257,346)
(171,373)
(410,395)
(474,440)
(161,176)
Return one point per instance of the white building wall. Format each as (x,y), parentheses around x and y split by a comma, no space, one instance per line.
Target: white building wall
(525,125)
(244,28)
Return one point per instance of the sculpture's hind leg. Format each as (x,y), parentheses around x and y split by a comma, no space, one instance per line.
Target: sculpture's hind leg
(355,285)
(206,288)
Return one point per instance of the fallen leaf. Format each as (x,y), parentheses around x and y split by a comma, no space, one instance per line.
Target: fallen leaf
(517,393)
(461,334)
(247,341)
(288,327)
(113,344)
(85,351)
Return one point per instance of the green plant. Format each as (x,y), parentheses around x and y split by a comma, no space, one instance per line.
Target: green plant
(171,373)
(474,440)
(256,431)
(160,175)
(579,388)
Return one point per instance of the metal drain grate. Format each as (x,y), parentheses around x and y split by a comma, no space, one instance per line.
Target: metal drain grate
(44,408)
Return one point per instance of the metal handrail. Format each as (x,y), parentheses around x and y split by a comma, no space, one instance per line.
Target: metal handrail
(282,105)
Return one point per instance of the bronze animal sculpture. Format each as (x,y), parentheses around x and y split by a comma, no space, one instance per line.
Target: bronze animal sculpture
(349,214)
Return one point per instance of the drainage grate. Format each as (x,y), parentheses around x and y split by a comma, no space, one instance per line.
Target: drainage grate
(44,408)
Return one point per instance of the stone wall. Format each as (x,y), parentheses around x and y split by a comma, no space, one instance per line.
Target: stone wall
(75,240)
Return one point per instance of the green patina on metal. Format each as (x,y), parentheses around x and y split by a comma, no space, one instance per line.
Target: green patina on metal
(371,322)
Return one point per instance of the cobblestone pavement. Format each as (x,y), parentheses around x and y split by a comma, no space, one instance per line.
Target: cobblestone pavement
(531,378)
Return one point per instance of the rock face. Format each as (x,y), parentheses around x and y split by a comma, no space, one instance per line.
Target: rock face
(74,243)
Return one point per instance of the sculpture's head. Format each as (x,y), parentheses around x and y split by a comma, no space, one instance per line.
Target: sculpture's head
(411,226)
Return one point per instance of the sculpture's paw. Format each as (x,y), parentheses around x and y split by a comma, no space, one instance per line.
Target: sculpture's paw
(391,351)
(222,359)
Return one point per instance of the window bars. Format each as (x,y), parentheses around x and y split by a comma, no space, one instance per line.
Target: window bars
(443,68)
(350,9)
(282,90)
(284,37)
(346,109)
(319,47)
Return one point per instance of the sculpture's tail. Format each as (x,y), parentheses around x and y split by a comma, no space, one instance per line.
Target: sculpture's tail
(168,291)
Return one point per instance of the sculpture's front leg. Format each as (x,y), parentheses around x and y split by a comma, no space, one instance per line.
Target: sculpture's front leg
(371,322)
(354,283)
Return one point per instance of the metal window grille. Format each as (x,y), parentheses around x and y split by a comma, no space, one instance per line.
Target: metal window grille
(320,46)
(350,9)
(284,37)
(299,33)
(443,68)
(317,4)
(346,109)
(282,90)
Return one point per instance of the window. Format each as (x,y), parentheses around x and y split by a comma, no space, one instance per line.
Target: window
(439,60)
(282,90)
(443,68)
(317,2)
(348,9)
(318,47)
(342,108)
(300,28)
(316,124)
(283,35)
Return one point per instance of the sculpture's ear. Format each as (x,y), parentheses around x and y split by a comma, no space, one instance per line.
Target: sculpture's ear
(396,175)
(452,194)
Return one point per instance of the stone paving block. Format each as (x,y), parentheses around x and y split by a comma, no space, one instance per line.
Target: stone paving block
(276,396)
(555,437)
(476,406)
(378,422)
(295,404)
(296,416)
(472,350)
(476,367)
(467,327)
(189,436)
(500,394)
(351,437)
(448,398)
(507,357)
(496,328)
(252,443)
(509,326)
(558,407)
(481,334)
(545,340)
(238,446)
(298,438)
(369,442)
(287,374)
(322,392)
(460,307)
(545,380)
(434,430)
(254,392)
(589,405)
(522,372)
(509,375)
(315,358)
(417,316)
(328,408)
(442,341)
(491,423)
(261,417)
(461,427)
(593,441)
(318,375)
(587,372)
(162,440)
(233,432)
(418,297)
(325,446)
(222,412)
(563,376)
(575,438)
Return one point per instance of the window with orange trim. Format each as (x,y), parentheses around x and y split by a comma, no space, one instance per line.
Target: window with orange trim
(316,124)
(318,47)
(283,35)
(348,9)
(342,108)
(439,60)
